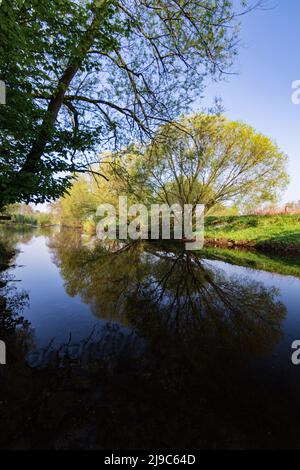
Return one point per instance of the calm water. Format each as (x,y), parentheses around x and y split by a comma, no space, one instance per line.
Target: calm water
(71,292)
(217,335)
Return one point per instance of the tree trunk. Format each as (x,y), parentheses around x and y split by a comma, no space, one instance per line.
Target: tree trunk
(56,102)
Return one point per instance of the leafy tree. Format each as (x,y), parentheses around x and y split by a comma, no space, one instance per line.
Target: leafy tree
(79,203)
(81,74)
(21,209)
(207,159)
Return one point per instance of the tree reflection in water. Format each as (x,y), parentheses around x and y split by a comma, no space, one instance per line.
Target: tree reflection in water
(167,295)
(15,330)
(190,385)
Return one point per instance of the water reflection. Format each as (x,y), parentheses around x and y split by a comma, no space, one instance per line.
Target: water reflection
(15,330)
(172,296)
(193,385)
(187,376)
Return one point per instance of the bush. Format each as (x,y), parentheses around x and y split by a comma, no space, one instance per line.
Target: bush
(24,219)
(44,219)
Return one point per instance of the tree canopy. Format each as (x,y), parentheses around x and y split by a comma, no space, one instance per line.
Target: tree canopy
(201,159)
(207,159)
(88,74)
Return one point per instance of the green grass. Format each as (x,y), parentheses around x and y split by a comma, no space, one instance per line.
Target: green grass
(276,230)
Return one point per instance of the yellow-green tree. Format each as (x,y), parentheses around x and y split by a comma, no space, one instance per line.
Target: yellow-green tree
(79,203)
(207,159)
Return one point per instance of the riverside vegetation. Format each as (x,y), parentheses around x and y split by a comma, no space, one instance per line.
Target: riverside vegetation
(277,233)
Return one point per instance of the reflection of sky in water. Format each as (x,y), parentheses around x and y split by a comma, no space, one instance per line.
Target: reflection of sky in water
(289,295)
(54,314)
(209,355)
(289,291)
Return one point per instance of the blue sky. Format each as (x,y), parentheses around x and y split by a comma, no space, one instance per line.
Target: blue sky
(260,95)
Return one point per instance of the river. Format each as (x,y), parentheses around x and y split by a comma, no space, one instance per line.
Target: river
(225,331)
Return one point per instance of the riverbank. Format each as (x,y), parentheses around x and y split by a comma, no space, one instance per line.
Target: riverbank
(272,233)
(275,234)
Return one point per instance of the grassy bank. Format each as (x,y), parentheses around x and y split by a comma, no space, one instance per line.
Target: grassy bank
(278,233)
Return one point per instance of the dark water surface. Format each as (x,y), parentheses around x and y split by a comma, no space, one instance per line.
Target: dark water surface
(199,350)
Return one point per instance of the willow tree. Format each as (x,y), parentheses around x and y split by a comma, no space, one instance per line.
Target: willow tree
(207,159)
(83,75)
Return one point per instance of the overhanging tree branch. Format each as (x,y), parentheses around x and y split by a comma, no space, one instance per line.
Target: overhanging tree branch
(57,99)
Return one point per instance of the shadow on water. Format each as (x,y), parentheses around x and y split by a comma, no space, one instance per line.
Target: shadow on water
(185,375)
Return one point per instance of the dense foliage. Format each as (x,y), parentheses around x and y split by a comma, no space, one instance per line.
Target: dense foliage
(207,159)
(83,75)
